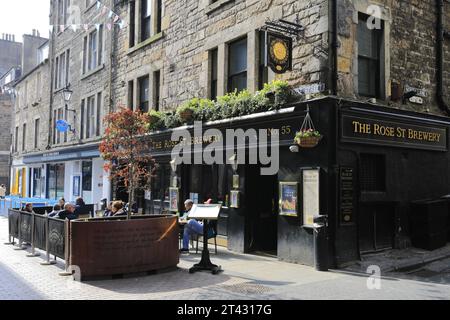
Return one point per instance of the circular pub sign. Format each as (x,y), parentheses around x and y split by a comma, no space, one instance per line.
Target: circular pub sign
(279,53)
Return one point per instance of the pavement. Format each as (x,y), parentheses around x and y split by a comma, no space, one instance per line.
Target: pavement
(245,277)
(399,260)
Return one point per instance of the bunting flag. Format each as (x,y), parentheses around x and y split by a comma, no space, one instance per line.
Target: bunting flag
(112,16)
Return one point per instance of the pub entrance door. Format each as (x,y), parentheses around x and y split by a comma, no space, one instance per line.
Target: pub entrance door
(262,212)
(376,226)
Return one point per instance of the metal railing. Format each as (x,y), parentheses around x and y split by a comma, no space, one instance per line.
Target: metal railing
(40,232)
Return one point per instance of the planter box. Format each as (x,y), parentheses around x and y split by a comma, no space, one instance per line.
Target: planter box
(106,247)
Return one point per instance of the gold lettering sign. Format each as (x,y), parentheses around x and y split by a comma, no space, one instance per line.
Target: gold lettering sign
(377,130)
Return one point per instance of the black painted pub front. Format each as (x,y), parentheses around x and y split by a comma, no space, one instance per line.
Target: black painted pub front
(373,163)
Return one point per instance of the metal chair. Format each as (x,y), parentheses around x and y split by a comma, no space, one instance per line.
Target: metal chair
(212,233)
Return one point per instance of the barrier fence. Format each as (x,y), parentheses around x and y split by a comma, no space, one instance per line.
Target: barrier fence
(39,231)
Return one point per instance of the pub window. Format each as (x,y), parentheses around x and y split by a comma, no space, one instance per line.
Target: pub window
(92,53)
(373,172)
(58,134)
(146,14)
(132,23)
(16,140)
(156,90)
(237,65)
(36,133)
(98,115)
(213,54)
(131,94)
(24,137)
(263,74)
(54,125)
(370,62)
(143,93)
(87,175)
(82,119)
(93,50)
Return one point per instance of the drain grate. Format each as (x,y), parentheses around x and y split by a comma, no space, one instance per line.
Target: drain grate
(247,288)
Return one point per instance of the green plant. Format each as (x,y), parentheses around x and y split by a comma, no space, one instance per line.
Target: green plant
(171,120)
(307,134)
(156,120)
(277,91)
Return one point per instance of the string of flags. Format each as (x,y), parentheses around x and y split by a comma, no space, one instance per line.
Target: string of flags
(114,18)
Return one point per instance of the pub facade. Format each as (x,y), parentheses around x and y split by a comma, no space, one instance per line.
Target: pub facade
(370,78)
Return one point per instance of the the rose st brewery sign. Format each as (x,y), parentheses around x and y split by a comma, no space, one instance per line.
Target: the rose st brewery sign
(381,131)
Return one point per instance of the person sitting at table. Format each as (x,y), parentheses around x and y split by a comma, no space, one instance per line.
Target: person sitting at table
(62,203)
(118,209)
(56,210)
(191,228)
(28,208)
(67,213)
(188,206)
(80,207)
(108,210)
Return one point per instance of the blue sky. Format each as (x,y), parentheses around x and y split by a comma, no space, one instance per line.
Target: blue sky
(22,16)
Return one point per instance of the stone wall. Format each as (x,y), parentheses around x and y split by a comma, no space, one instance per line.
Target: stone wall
(191,28)
(410,44)
(5,138)
(31,104)
(82,85)
(10,55)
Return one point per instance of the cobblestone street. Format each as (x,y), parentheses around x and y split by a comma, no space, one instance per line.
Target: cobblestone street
(244,277)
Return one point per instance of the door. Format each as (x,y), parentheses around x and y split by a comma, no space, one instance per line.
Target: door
(262,211)
(376,226)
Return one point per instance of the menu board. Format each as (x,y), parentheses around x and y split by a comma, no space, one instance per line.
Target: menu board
(311,205)
(346,178)
(205,211)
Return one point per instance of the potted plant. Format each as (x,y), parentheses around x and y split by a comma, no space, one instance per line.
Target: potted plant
(308,138)
(187,109)
(155,120)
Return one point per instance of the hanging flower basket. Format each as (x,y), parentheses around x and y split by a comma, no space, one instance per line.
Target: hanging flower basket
(308,136)
(308,141)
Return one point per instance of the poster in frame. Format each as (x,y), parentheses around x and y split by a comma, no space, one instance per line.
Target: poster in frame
(310,195)
(289,199)
(234,199)
(173,199)
(76,186)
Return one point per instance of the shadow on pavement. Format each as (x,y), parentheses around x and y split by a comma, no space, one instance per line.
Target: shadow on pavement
(12,287)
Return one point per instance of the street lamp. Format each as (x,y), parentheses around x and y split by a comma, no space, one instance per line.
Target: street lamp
(67,95)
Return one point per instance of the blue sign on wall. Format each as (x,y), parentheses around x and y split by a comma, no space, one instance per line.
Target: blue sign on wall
(62,126)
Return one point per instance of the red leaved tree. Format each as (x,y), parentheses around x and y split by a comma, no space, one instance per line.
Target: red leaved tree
(126,151)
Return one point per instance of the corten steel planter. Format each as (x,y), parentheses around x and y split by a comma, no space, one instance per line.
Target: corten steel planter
(108,246)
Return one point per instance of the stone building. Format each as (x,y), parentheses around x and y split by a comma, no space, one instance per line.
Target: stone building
(30,126)
(10,53)
(376,74)
(69,162)
(385,62)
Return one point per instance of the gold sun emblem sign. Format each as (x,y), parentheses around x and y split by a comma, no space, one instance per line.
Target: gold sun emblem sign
(279,51)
